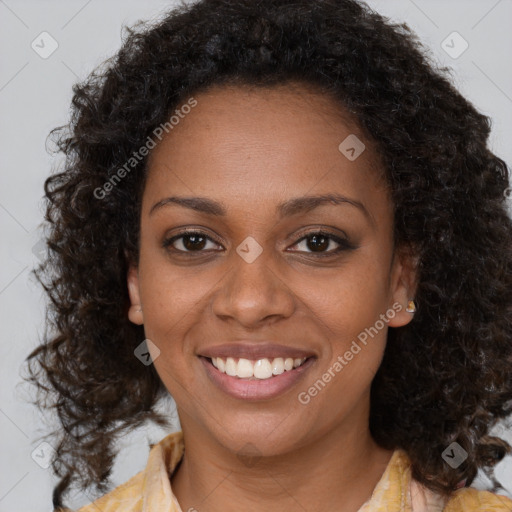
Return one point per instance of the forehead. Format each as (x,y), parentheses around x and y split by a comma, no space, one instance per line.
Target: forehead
(255,144)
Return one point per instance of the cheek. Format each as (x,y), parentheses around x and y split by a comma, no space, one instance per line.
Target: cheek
(349,312)
(351,297)
(171,294)
(351,307)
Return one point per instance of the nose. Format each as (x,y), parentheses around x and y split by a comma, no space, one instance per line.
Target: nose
(253,293)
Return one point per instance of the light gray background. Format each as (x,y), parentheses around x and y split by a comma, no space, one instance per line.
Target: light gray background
(34,98)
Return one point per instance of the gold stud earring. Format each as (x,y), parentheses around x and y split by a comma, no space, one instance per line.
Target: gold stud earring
(411,307)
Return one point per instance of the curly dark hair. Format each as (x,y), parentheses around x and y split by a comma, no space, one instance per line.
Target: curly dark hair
(444,377)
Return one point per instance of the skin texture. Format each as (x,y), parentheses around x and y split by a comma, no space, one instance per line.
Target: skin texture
(446,374)
(252,150)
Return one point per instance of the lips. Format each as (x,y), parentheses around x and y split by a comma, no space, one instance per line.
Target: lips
(260,386)
(255,351)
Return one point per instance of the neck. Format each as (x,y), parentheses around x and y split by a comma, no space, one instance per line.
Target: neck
(339,469)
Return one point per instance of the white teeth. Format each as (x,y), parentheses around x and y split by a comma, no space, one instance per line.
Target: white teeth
(278,366)
(231,367)
(245,369)
(260,369)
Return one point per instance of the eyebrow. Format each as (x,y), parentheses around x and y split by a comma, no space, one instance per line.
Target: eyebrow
(288,208)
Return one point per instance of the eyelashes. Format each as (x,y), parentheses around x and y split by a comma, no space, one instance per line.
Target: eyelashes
(320,237)
(197,238)
(195,243)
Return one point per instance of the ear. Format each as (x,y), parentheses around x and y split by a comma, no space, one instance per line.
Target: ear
(404,281)
(135,311)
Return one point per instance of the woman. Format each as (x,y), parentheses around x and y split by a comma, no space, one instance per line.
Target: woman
(283,216)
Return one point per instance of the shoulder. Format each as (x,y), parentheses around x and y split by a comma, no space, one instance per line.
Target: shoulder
(469,499)
(150,488)
(126,497)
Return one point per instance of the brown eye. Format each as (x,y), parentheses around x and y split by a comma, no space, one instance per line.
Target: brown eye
(190,241)
(194,242)
(319,242)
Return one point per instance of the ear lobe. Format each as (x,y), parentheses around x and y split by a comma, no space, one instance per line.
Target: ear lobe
(404,282)
(135,314)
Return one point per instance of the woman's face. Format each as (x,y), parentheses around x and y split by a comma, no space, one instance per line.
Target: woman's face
(258,281)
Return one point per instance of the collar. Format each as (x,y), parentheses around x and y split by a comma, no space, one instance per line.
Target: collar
(162,461)
(395,491)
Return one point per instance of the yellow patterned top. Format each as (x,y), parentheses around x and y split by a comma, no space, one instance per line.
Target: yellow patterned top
(150,489)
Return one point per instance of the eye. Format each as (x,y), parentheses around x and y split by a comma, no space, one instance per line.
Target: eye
(189,241)
(321,242)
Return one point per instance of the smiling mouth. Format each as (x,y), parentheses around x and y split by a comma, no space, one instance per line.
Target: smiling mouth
(261,369)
